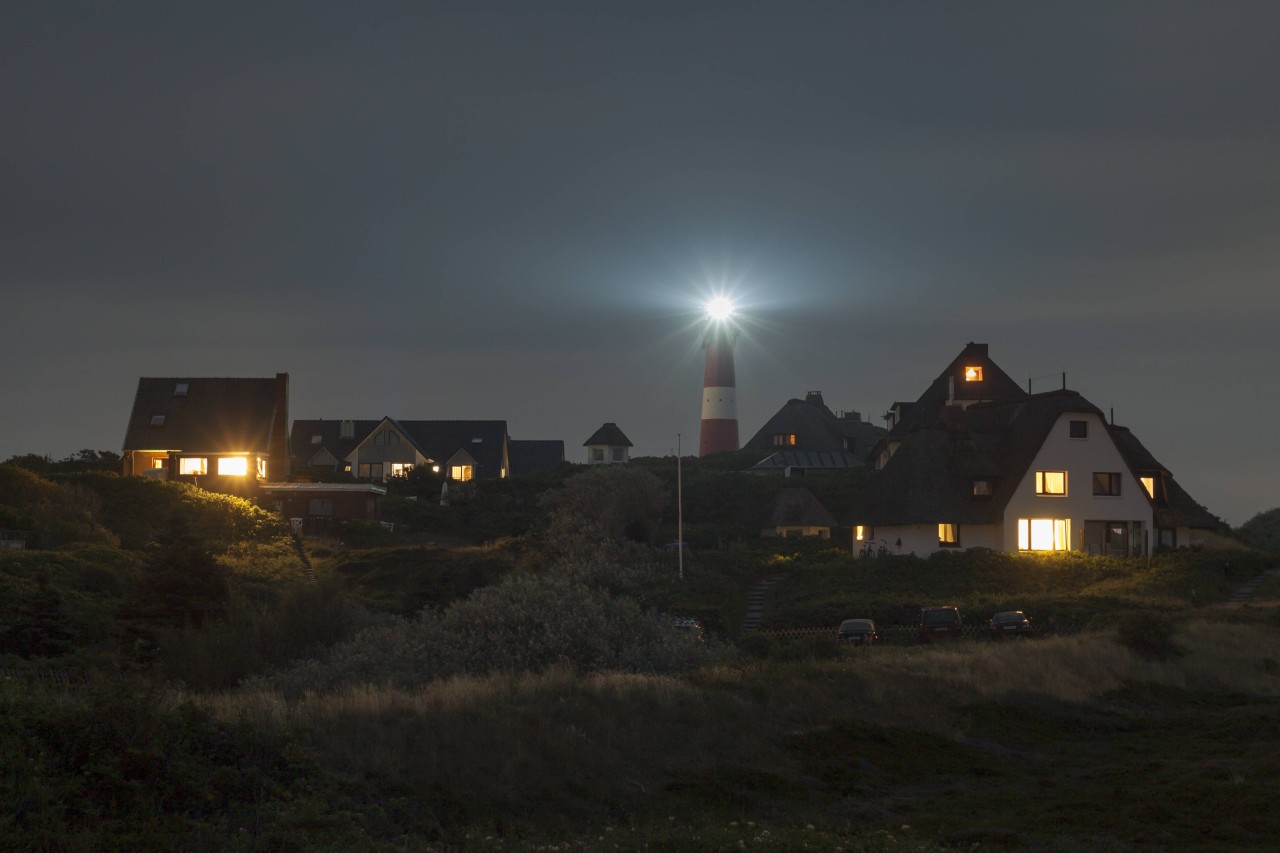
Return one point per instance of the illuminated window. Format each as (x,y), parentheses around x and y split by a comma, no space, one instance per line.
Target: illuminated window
(460,472)
(1044,534)
(262,468)
(233,466)
(1078,429)
(401,469)
(157,420)
(973,374)
(180,389)
(860,533)
(784,440)
(949,535)
(982,488)
(193,465)
(1106,483)
(159,463)
(435,469)
(1051,483)
(1149,483)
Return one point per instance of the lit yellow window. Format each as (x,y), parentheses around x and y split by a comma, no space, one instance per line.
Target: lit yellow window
(401,469)
(193,465)
(860,533)
(948,534)
(159,463)
(1044,534)
(973,374)
(233,466)
(262,468)
(1149,483)
(460,472)
(1052,483)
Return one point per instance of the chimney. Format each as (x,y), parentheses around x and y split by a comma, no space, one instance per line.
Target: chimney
(278,444)
(813,398)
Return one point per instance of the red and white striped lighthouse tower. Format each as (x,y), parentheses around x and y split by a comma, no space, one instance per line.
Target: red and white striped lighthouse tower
(719,391)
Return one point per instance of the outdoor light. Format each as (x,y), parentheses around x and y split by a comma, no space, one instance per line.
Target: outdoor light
(720,308)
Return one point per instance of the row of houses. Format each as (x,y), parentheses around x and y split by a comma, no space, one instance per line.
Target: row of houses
(974,461)
(977,461)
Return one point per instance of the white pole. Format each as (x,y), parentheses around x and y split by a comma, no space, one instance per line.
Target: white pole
(679,509)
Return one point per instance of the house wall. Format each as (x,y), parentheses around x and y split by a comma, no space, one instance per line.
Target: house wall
(345,504)
(922,539)
(607,451)
(1080,458)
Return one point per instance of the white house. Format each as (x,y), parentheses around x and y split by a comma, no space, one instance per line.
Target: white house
(977,461)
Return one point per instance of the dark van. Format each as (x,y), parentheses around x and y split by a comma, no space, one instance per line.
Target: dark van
(940,623)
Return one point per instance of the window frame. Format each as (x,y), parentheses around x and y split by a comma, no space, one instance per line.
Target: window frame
(948,535)
(1042,484)
(1111,485)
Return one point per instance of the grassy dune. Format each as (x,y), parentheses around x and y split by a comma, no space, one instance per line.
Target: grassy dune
(1070,743)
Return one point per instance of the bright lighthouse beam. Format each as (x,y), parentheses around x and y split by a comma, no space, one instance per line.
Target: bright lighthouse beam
(720,308)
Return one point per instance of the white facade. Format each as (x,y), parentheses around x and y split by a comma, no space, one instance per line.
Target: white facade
(1090,518)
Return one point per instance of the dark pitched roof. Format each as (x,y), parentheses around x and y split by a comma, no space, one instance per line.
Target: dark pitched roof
(309,437)
(530,455)
(817,460)
(994,386)
(610,435)
(797,507)
(211,415)
(1172,505)
(485,441)
(930,478)
(817,428)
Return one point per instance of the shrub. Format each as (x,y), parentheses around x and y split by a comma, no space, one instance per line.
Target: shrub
(1149,634)
(524,624)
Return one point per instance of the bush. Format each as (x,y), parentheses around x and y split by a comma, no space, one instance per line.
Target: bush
(524,624)
(1148,634)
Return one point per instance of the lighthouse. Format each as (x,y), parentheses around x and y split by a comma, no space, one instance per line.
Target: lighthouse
(719,391)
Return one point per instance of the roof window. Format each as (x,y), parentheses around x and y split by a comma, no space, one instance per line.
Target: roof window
(477,440)
(157,420)
(315,439)
(180,389)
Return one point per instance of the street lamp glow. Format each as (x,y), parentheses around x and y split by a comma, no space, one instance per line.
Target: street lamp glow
(720,308)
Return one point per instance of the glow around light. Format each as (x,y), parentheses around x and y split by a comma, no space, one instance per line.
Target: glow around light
(720,308)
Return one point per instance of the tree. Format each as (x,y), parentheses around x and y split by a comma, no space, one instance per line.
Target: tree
(1262,531)
(614,503)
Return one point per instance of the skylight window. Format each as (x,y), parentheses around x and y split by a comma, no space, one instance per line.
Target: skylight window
(157,420)
(180,390)
(477,440)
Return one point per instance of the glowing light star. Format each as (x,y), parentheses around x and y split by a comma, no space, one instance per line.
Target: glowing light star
(720,308)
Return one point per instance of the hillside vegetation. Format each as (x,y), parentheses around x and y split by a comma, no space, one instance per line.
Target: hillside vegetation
(174,677)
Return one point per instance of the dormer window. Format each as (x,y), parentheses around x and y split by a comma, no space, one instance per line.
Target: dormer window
(180,389)
(784,440)
(973,373)
(157,420)
(1149,485)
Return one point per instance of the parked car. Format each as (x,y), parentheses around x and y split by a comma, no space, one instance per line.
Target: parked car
(940,623)
(857,632)
(1010,623)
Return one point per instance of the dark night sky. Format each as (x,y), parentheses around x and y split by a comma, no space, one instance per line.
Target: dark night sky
(480,210)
